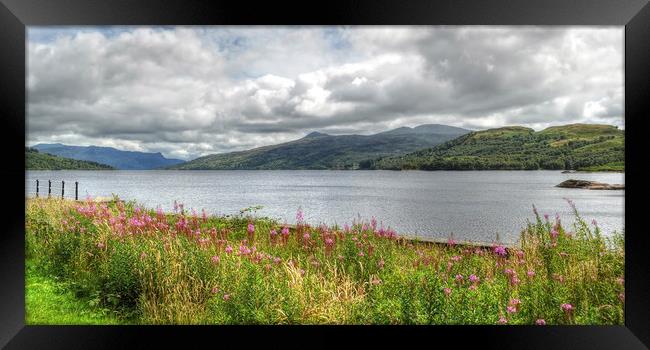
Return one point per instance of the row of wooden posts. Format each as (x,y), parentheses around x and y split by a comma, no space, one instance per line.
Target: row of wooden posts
(49,189)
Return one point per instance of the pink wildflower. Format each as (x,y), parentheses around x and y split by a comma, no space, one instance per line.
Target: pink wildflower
(459,278)
(531,273)
(540,322)
(500,250)
(216,259)
(299,215)
(502,320)
(228,249)
(226,297)
(566,307)
(447,291)
(473,278)
(511,309)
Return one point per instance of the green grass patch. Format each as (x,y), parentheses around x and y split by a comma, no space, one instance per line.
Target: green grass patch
(50,302)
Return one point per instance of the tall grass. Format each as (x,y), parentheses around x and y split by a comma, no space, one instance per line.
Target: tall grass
(190,268)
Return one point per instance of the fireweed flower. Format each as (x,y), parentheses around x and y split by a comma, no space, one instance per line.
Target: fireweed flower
(540,322)
(306,236)
(299,215)
(511,309)
(228,249)
(566,308)
(215,259)
(500,250)
(447,291)
(531,273)
(473,278)
(459,278)
(226,297)
(456,258)
(502,320)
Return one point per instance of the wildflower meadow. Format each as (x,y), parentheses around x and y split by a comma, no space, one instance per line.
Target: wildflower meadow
(147,266)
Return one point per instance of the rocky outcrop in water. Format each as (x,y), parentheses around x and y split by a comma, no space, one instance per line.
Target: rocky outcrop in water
(590,185)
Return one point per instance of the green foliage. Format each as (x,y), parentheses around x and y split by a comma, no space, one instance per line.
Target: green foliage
(35,160)
(186,269)
(577,146)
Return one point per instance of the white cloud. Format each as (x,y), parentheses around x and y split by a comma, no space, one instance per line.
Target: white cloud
(191,91)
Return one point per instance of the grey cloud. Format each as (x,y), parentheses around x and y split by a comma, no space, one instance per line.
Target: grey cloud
(192,91)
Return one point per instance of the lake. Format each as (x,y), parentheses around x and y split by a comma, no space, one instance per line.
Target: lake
(470,205)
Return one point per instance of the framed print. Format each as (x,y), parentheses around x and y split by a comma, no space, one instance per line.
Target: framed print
(453,170)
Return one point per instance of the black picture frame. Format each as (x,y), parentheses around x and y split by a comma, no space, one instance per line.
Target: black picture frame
(15,15)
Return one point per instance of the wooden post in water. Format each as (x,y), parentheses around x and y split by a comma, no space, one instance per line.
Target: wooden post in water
(62,188)
(76,190)
(49,188)
(36,188)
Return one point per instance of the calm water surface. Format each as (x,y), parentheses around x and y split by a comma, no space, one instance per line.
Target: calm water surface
(471,205)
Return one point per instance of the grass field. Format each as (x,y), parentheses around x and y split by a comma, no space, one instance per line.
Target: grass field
(105,263)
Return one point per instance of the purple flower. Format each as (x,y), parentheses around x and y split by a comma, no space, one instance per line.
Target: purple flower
(531,273)
(500,250)
(540,322)
(447,291)
(228,249)
(567,307)
(299,216)
(251,228)
(216,259)
(459,278)
(502,320)
(473,278)
(511,309)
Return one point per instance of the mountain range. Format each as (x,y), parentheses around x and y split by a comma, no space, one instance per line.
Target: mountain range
(323,151)
(118,159)
(35,160)
(588,147)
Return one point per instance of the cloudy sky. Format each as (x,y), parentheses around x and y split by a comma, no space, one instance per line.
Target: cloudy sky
(191,91)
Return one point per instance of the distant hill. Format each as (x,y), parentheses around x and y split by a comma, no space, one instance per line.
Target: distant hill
(589,147)
(125,160)
(35,160)
(323,151)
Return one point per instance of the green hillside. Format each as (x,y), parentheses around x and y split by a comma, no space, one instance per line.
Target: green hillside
(322,151)
(588,147)
(35,160)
